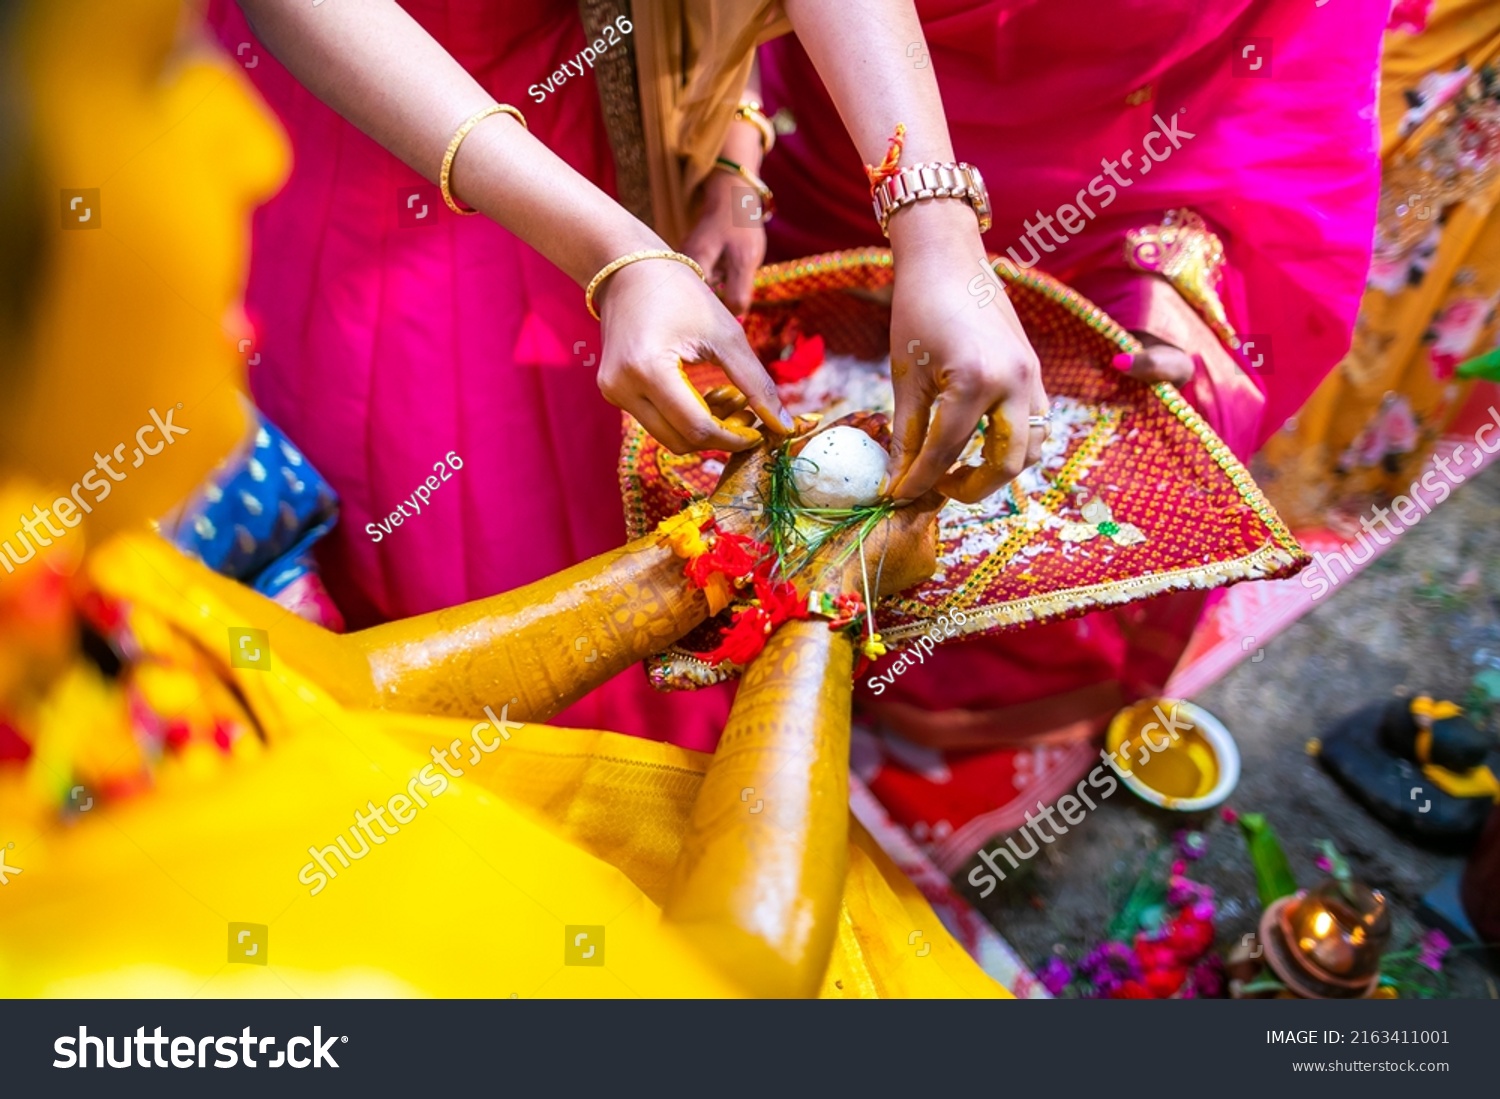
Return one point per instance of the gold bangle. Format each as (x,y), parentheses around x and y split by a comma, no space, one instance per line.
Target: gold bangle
(625,261)
(749,110)
(458,139)
(758,185)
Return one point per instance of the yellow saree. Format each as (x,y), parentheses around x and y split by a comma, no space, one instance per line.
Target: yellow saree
(474,886)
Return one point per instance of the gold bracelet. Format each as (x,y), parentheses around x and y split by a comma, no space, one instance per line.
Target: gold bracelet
(749,110)
(758,185)
(625,261)
(458,139)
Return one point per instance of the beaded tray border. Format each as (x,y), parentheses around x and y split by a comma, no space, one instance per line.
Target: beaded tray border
(901,618)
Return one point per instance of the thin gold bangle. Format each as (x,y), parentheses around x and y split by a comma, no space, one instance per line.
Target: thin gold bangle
(458,139)
(625,261)
(749,110)
(758,185)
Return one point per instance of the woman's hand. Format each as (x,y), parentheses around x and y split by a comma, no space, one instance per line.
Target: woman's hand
(727,244)
(955,359)
(658,315)
(729,241)
(1158,361)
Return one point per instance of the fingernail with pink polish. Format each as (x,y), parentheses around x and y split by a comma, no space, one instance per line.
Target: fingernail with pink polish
(1122,361)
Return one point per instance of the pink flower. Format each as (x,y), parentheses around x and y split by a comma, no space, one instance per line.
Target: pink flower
(1433,949)
(1108,965)
(1392,430)
(1206,981)
(1410,15)
(1388,274)
(1184,891)
(1443,365)
(1191,844)
(1055,975)
(1454,331)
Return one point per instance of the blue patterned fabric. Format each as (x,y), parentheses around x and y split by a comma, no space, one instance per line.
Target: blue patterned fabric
(257,516)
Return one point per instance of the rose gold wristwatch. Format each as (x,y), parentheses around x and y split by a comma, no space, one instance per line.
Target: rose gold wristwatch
(922,181)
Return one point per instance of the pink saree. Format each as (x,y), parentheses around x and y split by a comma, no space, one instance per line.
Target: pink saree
(393,336)
(1255,115)
(1282,163)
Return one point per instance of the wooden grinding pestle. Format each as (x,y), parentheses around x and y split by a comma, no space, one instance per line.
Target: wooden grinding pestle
(760,880)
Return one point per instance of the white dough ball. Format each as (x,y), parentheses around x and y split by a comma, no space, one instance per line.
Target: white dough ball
(840,468)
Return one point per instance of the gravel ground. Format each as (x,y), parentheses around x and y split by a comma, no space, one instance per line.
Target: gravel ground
(1424,617)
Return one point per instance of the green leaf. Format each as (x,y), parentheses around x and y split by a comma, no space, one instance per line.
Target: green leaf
(1263,983)
(1273,874)
(1154,917)
(1487,683)
(1339,866)
(1485,366)
(1149,892)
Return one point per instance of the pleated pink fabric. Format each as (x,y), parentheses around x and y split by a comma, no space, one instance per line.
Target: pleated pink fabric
(1283,158)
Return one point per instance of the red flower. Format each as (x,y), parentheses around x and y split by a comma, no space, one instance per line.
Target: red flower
(1189,938)
(178,733)
(732,554)
(744,640)
(1154,954)
(12,745)
(103,613)
(780,600)
(850,606)
(799,360)
(1164,982)
(1131,990)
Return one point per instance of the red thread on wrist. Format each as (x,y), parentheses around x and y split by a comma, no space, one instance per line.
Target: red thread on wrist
(892,162)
